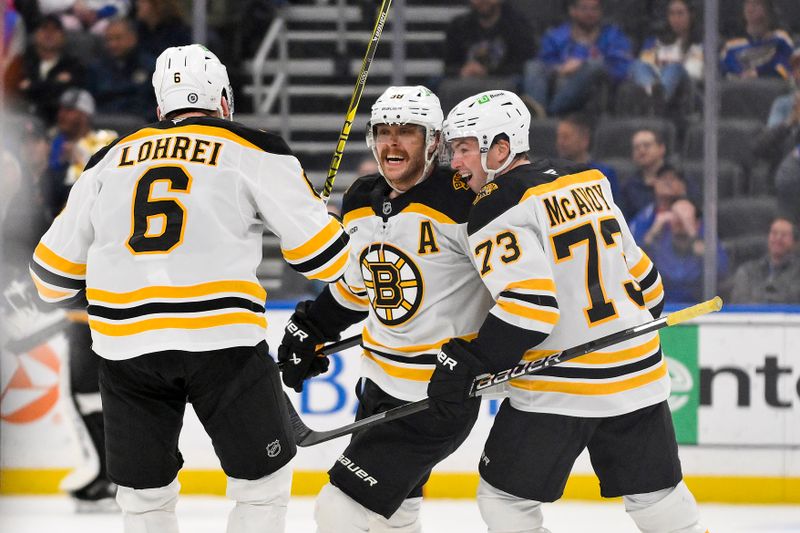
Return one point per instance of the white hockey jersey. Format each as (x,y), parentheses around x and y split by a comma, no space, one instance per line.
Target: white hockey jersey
(410,269)
(164,231)
(562,265)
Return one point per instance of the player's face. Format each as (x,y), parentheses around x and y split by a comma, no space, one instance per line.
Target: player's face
(401,153)
(466,159)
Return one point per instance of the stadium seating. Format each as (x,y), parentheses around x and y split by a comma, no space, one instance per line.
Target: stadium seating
(749,99)
(612,137)
(453,90)
(542,137)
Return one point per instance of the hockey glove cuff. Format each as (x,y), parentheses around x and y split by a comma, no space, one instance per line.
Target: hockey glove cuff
(457,366)
(298,349)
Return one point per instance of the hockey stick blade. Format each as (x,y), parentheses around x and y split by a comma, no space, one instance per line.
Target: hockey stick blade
(311,437)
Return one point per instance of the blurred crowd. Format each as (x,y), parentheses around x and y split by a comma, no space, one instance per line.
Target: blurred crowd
(616,84)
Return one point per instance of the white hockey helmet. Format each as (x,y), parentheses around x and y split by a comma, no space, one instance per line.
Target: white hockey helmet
(191,77)
(408,105)
(486,115)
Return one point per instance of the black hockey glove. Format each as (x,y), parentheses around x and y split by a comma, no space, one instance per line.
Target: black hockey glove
(298,349)
(456,368)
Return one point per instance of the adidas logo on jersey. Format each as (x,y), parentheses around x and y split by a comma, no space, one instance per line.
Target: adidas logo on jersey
(357,470)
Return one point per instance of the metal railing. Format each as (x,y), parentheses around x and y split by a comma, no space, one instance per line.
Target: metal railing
(265,97)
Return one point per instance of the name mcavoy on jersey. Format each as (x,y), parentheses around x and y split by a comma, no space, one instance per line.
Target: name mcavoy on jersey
(172,147)
(574,202)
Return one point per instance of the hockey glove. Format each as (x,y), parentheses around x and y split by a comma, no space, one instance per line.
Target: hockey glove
(298,349)
(456,368)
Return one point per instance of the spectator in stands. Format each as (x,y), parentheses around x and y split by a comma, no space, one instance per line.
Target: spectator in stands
(575,58)
(648,152)
(161,25)
(74,143)
(764,50)
(37,78)
(669,187)
(775,278)
(120,81)
(489,40)
(573,140)
(672,59)
(89,15)
(787,184)
(675,246)
(12,40)
(783,124)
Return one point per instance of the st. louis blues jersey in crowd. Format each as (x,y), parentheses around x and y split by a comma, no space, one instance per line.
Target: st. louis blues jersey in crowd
(563,268)
(141,219)
(410,268)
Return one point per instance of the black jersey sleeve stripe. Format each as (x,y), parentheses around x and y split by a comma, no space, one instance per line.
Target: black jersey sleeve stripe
(502,345)
(602,373)
(650,279)
(536,299)
(422,359)
(56,280)
(114,313)
(334,249)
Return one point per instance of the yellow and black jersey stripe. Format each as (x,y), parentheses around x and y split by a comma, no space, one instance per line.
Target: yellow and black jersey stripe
(437,197)
(599,373)
(57,279)
(323,256)
(649,280)
(205,305)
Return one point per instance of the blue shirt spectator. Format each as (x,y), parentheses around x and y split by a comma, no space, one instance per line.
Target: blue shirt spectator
(574,58)
(674,245)
(764,51)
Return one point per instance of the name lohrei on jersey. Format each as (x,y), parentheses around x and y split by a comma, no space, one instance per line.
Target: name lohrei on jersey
(174,147)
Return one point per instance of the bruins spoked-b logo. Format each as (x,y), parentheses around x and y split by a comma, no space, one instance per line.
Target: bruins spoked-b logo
(393,282)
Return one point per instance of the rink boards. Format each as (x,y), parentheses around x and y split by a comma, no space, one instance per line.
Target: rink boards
(735,403)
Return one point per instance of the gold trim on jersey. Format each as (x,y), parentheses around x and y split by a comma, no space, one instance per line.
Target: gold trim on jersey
(419,348)
(529,313)
(333,271)
(563,182)
(47,292)
(540,284)
(603,358)
(422,209)
(213,131)
(587,388)
(413,374)
(653,293)
(640,269)
(249,288)
(51,259)
(200,322)
(315,244)
(344,291)
(355,214)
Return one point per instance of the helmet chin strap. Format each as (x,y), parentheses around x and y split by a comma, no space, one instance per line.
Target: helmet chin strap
(491,173)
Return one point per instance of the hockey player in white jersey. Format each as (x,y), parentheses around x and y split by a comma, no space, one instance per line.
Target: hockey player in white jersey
(411,277)
(558,257)
(163,234)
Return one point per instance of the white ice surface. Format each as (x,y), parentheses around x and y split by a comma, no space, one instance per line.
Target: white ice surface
(198,514)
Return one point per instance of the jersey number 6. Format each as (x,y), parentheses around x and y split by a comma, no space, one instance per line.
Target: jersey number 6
(147,210)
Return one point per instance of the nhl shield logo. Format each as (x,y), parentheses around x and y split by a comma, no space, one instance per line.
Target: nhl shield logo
(273,448)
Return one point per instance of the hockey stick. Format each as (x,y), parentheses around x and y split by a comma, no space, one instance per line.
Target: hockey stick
(337,346)
(358,90)
(304,436)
